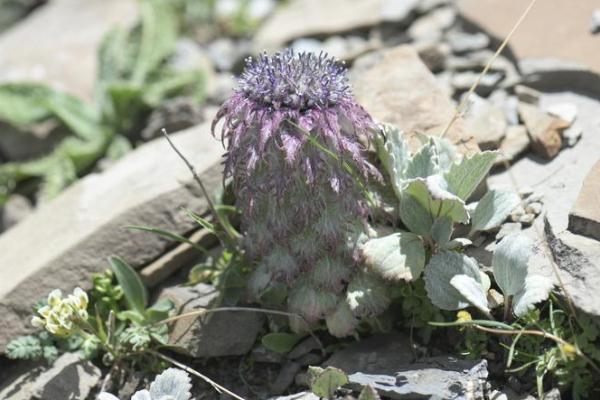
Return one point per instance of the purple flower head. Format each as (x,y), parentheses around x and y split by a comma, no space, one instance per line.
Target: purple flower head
(292,131)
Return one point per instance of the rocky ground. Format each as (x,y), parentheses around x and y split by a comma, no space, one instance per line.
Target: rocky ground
(411,62)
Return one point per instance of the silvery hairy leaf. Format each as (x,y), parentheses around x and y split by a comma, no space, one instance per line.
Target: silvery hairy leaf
(399,256)
(394,154)
(433,195)
(464,177)
(471,290)
(493,208)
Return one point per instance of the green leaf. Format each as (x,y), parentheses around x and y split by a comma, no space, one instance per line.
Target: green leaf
(24,348)
(133,289)
(431,193)
(493,208)
(324,382)
(78,116)
(159,31)
(400,256)
(424,163)
(446,152)
(23,104)
(341,322)
(442,267)
(416,218)
(159,310)
(280,342)
(464,177)
(369,393)
(169,235)
(471,290)
(509,263)
(441,231)
(394,155)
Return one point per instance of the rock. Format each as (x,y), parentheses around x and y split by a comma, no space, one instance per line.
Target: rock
(462,42)
(527,219)
(477,60)
(211,334)
(435,378)
(325,18)
(486,123)
(227,54)
(396,87)
(527,95)
(12,12)
(78,27)
(260,9)
(462,81)
(16,208)
(427,5)
(304,347)
(77,231)
(514,143)
(430,27)
(572,135)
(565,111)
(584,218)
(552,75)
(38,140)
(17,380)
(286,377)
(173,115)
(297,396)
(69,378)
(595,21)
(433,55)
(181,256)
(544,130)
(506,103)
(534,208)
(379,354)
(534,38)
(578,259)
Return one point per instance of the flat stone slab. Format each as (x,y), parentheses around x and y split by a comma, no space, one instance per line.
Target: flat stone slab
(63,242)
(396,87)
(584,217)
(58,43)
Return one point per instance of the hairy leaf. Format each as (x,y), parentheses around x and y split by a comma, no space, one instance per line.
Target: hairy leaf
(442,267)
(367,295)
(173,384)
(400,256)
(471,290)
(441,231)
(464,177)
(510,263)
(394,154)
(492,209)
(341,322)
(324,382)
(416,218)
(424,163)
(537,288)
(432,194)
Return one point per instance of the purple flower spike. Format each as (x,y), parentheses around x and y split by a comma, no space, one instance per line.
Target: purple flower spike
(292,130)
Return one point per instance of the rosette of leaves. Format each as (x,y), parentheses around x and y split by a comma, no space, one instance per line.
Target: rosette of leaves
(433,187)
(298,172)
(134,77)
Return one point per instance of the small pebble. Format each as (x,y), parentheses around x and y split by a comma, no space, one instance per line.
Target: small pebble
(534,208)
(564,111)
(595,23)
(526,191)
(527,219)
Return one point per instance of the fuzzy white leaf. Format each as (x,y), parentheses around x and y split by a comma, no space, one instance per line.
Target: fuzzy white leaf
(464,177)
(509,263)
(492,209)
(442,267)
(432,194)
(400,256)
(537,288)
(141,395)
(457,243)
(172,382)
(394,155)
(447,153)
(471,290)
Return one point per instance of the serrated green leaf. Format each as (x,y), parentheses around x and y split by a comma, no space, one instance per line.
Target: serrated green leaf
(280,342)
(324,382)
(442,267)
(432,194)
(493,208)
(400,256)
(424,163)
(471,290)
(394,155)
(464,177)
(134,290)
(509,263)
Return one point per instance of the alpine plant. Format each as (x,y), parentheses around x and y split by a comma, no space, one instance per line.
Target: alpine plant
(298,170)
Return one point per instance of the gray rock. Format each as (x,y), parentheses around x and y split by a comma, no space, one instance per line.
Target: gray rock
(396,87)
(18,380)
(260,9)
(286,377)
(462,81)
(514,143)
(578,259)
(462,42)
(435,378)
(486,123)
(79,28)
(38,140)
(572,135)
(584,218)
(564,111)
(379,354)
(227,54)
(16,208)
(506,103)
(433,55)
(427,5)
(211,334)
(477,60)
(221,88)
(431,27)
(325,18)
(527,95)
(304,347)
(595,21)
(77,231)
(69,378)
(173,115)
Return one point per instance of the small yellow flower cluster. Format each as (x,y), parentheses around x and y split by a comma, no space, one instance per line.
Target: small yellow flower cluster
(463,316)
(60,316)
